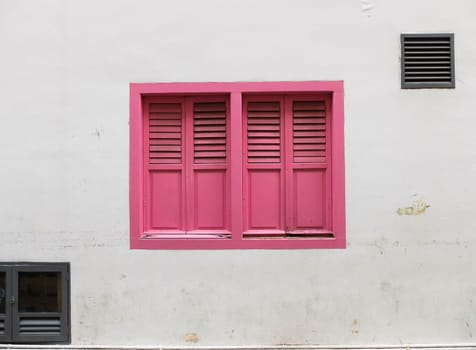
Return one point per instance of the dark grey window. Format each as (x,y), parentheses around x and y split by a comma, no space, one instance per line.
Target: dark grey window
(34,303)
(427,61)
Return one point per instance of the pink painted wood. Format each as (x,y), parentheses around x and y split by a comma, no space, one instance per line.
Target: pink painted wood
(186,186)
(285,187)
(195,205)
(308,173)
(164,189)
(208,175)
(263,194)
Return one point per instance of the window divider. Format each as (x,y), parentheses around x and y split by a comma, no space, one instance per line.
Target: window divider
(188,195)
(236,165)
(287,121)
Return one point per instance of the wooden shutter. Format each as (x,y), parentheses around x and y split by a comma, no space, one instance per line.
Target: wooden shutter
(307,184)
(286,186)
(187,172)
(264,173)
(207,165)
(165,169)
(165,133)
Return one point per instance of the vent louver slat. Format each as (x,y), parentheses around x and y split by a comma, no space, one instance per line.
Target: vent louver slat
(209,132)
(309,131)
(264,132)
(427,60)
(40,326)
(165,133)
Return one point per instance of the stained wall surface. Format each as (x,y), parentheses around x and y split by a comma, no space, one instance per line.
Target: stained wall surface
(65,69)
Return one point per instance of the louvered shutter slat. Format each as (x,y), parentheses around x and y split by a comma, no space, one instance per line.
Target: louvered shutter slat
(260,147)
(209,132)
(310,146)
(309,131)
(209,122)
(162,128)
(165,133)
(263,141)
(219,141)
(209,147)
(164,142)
(270,134)
(262,121)
(208,128)
(165,148)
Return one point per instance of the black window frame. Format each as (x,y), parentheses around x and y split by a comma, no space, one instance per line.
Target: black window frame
(11,318)
(427,85)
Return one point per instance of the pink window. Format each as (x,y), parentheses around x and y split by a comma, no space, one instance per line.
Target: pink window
(237,165)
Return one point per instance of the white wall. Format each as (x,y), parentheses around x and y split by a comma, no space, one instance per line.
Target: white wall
(65,67)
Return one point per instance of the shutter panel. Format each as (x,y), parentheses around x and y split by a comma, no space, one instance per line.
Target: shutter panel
(427,60)
(264,190)
(264,132)
(166,161)
(188,190)
(209,132)
(165,133)
(306,182)
(207,184)
(309,131)
(286,186)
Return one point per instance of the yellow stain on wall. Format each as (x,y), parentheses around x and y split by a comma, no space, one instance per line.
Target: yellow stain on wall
(191,338)
(419,206)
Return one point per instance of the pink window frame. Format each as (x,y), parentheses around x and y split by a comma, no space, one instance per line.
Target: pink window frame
(236,93)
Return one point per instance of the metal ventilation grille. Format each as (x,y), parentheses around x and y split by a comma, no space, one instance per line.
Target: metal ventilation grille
(427,61)
(209,132)
(165,133)
(40,326)
(264,132)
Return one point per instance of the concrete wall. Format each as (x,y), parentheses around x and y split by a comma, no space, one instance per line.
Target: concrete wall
(65,67)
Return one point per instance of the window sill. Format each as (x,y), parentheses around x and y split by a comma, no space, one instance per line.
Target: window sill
(204,243)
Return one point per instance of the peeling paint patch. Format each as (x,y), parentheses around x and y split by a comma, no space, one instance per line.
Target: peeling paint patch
(366,6)
(468,327)
(97,132)
(355,327)
(191,338)
(393,292)
(380,244)
(419,206)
